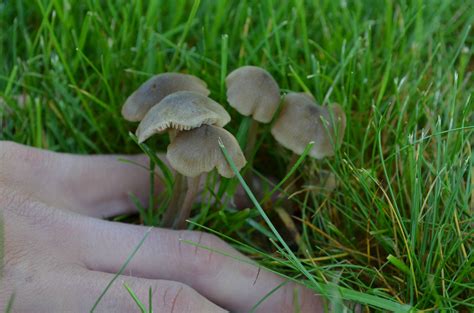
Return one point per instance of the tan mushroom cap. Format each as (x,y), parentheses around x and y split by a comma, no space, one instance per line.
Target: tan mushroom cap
(182,110)
(253,91)
(301,121)
(155,89)
(197,151)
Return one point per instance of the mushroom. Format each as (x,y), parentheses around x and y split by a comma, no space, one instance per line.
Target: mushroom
(302,121)
(180,111)
(155,89)
(197,151)
(252,91)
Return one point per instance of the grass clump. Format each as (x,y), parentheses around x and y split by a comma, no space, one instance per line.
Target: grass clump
(399,224)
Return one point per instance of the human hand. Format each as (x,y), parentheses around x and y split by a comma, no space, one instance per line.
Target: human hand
(59,256)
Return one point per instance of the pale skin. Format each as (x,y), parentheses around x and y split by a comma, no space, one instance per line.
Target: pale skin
(59,254)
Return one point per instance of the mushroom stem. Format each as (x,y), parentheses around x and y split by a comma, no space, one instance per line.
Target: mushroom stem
(251,140)
(249,149)
(172,134)
(292,229)
(185,209)
(289,182)
(179,189)
(289,187)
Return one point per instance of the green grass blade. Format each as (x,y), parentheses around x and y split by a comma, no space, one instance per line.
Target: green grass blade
(124,266)
(137,301)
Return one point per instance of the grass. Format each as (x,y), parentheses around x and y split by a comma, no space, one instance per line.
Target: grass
(399,225)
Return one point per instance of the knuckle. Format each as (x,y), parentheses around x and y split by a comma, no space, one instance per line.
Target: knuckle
(20,260)
(178,298)
(299,297)
(11,151)
(12,154)
(202,252)
(14,201)
(24,206)
(14,254)
(7,149)
(7,153)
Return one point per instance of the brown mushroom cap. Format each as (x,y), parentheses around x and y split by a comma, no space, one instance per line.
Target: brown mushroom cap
(252,91)
(155,89)
(301,121)
(182,110)
(197,151)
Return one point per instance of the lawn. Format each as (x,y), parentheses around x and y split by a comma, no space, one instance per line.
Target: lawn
(396,231)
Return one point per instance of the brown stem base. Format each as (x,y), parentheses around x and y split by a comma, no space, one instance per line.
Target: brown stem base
(249,151)
(292,229)
(251,139)
(179,190)
(289,185)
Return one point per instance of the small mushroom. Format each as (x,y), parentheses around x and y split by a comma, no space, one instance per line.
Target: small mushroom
(301,121)
(197,151)
(178,112)
(155,89)
(182,110)
(252,91)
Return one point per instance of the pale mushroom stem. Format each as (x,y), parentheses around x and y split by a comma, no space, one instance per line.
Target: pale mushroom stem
(185,209)
(285,210)
(292,229)
(179,189)
(172,134)
(284,202)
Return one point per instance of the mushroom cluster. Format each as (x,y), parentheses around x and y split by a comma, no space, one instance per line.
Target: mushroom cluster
(178,104)
(194,123)
(253,91)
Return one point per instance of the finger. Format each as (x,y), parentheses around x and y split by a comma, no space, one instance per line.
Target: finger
(229,280)
(166,296)
(98,186)
(40,267)
(75,289)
